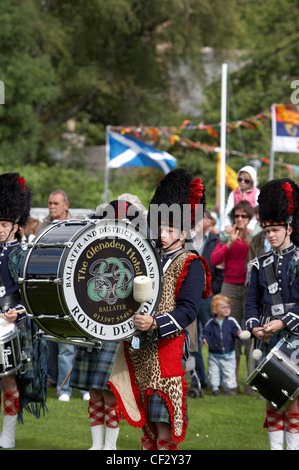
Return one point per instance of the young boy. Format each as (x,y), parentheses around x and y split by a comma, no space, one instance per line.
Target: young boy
(219,335)
(272,308)
(153,376)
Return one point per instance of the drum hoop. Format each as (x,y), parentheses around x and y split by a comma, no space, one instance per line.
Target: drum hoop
(11,334)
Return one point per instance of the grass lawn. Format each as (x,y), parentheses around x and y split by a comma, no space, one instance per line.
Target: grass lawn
(215,423)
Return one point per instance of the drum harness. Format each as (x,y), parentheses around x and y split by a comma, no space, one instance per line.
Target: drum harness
(278,308)
(7,301)
(144,338)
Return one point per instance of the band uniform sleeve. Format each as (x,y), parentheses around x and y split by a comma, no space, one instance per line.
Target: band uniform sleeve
(22,315)
(253,305)
(187,304)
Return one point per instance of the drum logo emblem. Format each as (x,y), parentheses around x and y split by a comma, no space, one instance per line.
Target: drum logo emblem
(112,280)
(98,274)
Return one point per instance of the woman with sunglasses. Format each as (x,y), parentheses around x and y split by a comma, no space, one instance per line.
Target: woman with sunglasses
(246,191)
(233,255)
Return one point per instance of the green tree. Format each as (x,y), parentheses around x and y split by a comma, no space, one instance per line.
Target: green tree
(268,66)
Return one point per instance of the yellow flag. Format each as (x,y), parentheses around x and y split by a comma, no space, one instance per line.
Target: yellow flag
(230,175)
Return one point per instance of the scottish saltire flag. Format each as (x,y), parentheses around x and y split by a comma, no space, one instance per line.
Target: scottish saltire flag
(126,151)
(285,129)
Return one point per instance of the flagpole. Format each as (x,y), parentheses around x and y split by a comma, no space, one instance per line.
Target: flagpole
(223,143)
(271,166)
(107,159)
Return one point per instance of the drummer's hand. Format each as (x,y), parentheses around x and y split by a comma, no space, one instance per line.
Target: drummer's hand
(144,322)
(11,315)
(273,326)
(265,333)
(259,333)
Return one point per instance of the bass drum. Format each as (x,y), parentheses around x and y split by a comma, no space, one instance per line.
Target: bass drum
(77,279)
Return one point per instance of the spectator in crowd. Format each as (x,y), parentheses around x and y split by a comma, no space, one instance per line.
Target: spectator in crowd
(233,255)
(246,191)
(30,229)
(205,242)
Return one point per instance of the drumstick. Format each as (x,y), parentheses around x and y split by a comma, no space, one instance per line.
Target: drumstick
(142,290)
(68,374)
(245,335)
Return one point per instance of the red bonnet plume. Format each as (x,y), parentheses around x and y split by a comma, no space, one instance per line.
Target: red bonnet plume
(21,181)
(195,195)
(287,187)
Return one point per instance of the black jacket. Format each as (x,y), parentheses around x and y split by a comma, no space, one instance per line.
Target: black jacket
(217,273)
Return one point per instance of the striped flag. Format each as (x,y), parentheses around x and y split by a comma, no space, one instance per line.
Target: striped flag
(126,151)
(285,129)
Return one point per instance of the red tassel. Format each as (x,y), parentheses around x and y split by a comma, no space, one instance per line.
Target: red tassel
(21,181)
(208,278)
(287,187)
(195,195)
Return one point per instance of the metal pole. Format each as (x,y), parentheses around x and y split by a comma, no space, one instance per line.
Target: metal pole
(107,150)
(223,143)
(271,166)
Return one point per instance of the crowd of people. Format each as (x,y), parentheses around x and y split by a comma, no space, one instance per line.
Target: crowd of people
(217,284)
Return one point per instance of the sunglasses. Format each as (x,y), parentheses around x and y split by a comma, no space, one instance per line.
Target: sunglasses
(243,216)
(245,180)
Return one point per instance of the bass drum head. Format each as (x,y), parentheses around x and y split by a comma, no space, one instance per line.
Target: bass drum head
(97,274)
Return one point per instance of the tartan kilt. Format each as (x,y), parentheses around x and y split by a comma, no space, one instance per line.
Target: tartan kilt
(157,409)
(92,368)
(32,382)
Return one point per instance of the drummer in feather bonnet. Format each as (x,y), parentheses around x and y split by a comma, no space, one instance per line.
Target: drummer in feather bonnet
(154,380)
(272,305)
(15,198)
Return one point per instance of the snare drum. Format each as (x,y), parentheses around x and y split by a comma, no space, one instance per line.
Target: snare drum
(77,277)
(277,377)
(10,349)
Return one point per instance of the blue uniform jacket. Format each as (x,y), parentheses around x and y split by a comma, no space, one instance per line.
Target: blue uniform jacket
(187,304)
(286,267)
(11,255)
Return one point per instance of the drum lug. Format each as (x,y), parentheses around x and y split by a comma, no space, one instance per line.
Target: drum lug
(55,245)
(286,394)
(30,245)
(264,375)
(22,280)
(68,245)
(279,358)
